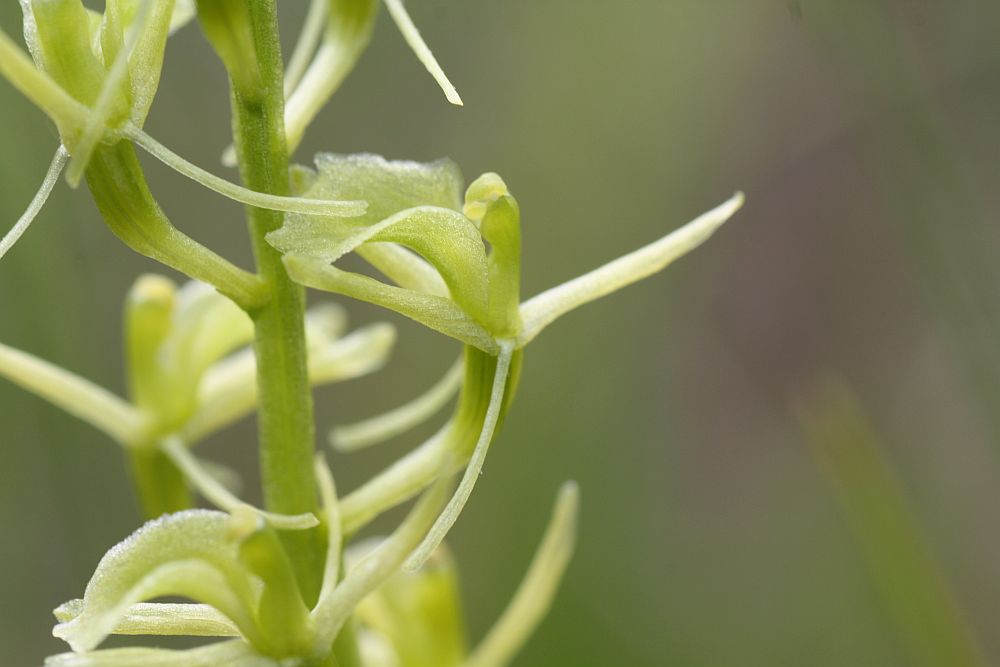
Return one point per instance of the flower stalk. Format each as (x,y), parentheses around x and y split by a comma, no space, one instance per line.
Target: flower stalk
(246,37)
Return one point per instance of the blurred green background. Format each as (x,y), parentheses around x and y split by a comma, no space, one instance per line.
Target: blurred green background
(866,134)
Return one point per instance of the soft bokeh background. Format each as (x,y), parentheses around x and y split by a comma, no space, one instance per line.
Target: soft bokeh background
(866,134)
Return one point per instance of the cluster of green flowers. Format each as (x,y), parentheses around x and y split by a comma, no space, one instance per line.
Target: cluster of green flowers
(451,259)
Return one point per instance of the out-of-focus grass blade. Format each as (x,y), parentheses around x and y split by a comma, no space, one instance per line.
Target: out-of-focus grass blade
(907,579)
(914,164)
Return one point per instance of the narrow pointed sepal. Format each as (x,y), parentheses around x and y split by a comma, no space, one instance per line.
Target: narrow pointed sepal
(537,590)
(352,437)
(421,50)
(540,311)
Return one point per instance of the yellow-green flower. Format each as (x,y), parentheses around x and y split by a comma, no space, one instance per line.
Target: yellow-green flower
(456,268)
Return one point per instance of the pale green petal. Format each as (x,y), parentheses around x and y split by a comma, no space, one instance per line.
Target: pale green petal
(475,467)
(376,651)
(348,31)
(334,609)
(129,84)
(206,327)
(540,311)
(234,653)
(74,394)
(359,353)
(239,193)
(390,424)
(420,48)
(228,390)
(220,496)
(227,393)
(305,47)
(174,336)
(190,554)
(325,322)
(65,111)
(445,238)
(434,312)
(402,480)
(404,267)
(37,202)
(146,62)
(331,514)
(445,453)
(390,186)
(184,12)
(192,578)
(162,619)
(538,588)
(419,613)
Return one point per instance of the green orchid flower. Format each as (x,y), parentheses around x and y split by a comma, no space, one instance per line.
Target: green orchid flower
(190,374)
(456,266)
(95,75)
(234,570)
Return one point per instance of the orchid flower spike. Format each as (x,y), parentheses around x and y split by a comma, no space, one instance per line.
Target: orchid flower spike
(420,234)
(190,374)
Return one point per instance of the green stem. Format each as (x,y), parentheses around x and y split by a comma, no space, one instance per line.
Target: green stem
(285,414)
(159,484)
